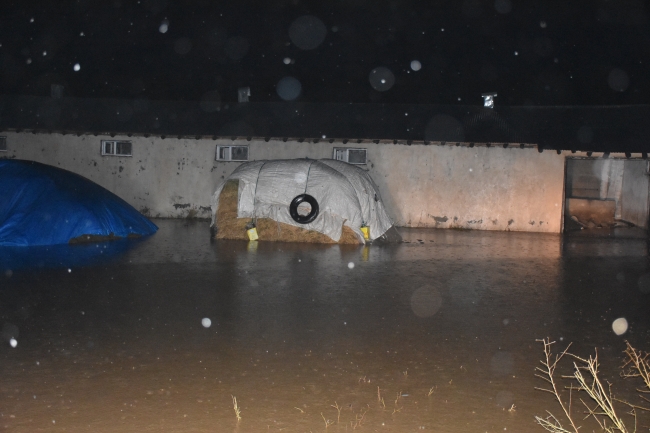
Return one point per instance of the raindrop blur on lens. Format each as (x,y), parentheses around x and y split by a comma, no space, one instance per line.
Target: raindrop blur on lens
(211,102)
(618,80)
(502,363)
(426,301)
(585,134)
(182,46)
(236,48)
(505,399)
(503,6)
(619,326)
(644,283)
(307,32)
(381,79)
(289,88)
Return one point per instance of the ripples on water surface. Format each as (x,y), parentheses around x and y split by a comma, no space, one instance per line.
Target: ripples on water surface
(443,326)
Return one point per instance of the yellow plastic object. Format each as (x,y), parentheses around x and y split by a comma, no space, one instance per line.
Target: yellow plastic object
(366,232)
(365,254)
(252,234)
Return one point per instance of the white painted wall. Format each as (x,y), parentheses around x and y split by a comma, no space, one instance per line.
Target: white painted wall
(422,186)
(476,188)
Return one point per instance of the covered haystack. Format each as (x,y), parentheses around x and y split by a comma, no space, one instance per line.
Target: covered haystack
(260,193)
(231,227)
(45,205)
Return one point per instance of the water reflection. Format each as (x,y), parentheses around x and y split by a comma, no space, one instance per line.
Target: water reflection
(444,324)
(63,256)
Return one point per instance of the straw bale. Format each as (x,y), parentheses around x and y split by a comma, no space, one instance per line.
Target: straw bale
(231,227)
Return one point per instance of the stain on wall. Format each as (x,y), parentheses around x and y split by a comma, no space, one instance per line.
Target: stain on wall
(421,185)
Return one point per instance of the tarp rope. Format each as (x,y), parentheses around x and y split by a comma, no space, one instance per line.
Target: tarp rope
(307,180)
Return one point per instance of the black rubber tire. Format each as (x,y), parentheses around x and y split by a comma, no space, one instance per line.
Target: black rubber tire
(303,219)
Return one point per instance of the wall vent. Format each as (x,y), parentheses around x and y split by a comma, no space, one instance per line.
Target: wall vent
(116,148)
(231,153)
(350,155)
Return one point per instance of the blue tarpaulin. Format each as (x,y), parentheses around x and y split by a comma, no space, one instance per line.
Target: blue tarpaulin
(45,205)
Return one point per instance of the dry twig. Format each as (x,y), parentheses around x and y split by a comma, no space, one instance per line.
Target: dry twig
(602,405)
(327,422)
(236,408)
(338,409)
(551,423)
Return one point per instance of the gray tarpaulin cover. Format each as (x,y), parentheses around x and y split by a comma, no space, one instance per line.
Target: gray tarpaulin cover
(345,193)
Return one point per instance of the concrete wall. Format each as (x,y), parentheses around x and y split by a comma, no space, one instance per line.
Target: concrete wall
(476,188)
(422,186)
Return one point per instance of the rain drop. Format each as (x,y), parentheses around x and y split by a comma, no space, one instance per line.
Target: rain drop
(644,283)
(503,6)
(288,88)
(76,67)
(206,322)
(183,46)
(13,342)
(618,80)
(416,65)
(164,26)
(426,301)
(351,265)
(307,32)
(236,47)
(286,60)
(381,79)
(542,24)
(619,326)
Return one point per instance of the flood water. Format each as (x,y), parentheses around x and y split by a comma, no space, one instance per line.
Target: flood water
(437,333)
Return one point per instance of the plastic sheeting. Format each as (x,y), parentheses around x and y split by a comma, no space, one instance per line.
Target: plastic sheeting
(345,193)
(45,205)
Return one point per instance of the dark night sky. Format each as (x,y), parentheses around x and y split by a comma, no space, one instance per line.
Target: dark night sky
(592,52)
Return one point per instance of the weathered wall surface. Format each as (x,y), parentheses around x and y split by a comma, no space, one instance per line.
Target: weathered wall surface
(422,186)
(163,178)
(474,188)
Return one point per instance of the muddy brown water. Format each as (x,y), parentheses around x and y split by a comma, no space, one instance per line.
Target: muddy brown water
(443,327)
